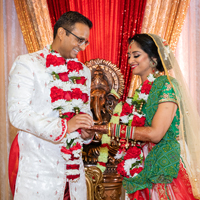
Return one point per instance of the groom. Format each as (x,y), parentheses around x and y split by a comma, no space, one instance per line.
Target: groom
(44,90)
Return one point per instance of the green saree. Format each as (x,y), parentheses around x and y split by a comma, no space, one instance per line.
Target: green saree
(162,162)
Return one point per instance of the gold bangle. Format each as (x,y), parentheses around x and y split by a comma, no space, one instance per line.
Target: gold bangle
(133,133)
(109,132)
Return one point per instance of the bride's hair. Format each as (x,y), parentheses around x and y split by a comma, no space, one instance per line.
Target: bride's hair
(146,43)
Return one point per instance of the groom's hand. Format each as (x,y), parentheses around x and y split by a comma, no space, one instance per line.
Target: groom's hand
(84,121)
(87,134)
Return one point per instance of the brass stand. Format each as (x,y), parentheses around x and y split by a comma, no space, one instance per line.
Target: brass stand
(113,185)
(106,186)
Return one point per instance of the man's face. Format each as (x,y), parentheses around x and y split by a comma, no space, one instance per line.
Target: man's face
(69,45)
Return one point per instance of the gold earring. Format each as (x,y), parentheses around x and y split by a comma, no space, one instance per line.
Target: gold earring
(153,63)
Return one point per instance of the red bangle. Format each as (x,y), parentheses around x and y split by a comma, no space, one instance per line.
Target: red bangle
(122,133)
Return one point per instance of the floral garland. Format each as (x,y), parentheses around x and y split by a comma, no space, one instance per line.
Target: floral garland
(105,142)
(69,95)
(103,156)
(131,163)
(131,114)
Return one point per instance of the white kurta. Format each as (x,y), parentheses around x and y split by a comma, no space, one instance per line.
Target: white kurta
(42,169)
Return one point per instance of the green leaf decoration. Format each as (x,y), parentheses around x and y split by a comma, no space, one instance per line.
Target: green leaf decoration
(130,122)
(76,108)
(136,95)
(56,75)
(69,144)
(64,116)
(74,77)
(135,164)
(58,108)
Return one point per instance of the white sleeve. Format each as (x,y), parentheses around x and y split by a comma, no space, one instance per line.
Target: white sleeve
(21,113)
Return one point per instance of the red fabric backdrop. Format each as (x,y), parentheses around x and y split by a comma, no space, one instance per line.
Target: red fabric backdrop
(114,21)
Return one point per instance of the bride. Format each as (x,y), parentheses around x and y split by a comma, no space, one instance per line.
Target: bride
(164,164)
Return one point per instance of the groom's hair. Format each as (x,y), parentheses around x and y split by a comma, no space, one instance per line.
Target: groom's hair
(68,20)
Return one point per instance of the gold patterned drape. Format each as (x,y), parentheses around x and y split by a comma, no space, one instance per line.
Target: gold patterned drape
(35,23)
(165,18)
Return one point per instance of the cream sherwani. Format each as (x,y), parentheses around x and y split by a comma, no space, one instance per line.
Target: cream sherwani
(42,169)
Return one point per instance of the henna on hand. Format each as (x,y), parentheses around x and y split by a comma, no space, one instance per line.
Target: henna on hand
(101,128)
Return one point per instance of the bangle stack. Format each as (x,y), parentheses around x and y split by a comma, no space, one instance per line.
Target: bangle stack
(123,132)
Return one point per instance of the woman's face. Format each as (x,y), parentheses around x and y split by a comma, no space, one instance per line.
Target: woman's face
(139,61)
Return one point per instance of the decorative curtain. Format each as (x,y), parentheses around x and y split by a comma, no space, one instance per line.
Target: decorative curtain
(35,23)
(114,22)
(165,18)
(131,25)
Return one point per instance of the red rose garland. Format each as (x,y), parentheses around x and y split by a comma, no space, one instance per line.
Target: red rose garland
(63,76)
(54,60)
(132,115)
(69,95)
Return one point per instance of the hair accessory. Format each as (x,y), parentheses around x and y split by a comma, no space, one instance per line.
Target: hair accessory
(132,42)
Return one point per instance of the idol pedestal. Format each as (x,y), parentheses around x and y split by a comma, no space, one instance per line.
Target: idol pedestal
(113,186)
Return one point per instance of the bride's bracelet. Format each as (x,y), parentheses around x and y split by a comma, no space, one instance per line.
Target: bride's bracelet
(109,131)
(122,131)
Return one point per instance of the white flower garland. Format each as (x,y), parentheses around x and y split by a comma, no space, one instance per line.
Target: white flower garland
(73,138)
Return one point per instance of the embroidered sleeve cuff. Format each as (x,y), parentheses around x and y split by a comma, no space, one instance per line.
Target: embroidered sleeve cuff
(168,100)
(64,130)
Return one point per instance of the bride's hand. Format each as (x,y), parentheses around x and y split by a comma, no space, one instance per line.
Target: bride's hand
(102,128)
